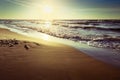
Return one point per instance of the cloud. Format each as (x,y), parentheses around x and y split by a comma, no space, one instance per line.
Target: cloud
(22,3)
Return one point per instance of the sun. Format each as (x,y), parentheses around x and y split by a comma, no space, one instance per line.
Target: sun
(47,9)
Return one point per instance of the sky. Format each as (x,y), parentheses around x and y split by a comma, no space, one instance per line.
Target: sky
(60,9)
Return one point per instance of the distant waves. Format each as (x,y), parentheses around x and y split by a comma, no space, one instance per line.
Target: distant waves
(91,25)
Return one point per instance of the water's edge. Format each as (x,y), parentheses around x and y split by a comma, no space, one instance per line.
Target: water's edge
(106,55)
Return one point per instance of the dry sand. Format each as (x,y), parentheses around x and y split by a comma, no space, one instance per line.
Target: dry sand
(49,62)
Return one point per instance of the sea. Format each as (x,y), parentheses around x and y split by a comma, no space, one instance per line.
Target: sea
(97,38)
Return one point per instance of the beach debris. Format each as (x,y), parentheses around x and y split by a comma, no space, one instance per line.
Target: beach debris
(37,44)
(11,45)
(26,47)
(9,42)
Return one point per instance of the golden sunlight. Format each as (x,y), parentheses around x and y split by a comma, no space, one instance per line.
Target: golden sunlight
(45,37)
(47,9)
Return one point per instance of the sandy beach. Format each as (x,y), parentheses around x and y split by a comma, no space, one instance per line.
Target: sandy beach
(35,59)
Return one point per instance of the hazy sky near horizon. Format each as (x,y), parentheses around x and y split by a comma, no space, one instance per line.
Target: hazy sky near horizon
(61,9)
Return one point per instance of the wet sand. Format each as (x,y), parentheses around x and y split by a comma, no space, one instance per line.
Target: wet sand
(49,61)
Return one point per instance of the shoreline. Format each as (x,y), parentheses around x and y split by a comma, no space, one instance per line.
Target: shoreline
(108,56)
(51,61)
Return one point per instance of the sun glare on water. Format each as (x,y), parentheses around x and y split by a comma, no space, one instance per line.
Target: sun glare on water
(45,37)
(48,24)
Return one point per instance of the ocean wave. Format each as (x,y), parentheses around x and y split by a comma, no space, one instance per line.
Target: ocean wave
(88,34)
(98,26)
(113,43)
